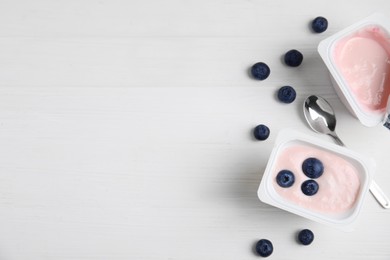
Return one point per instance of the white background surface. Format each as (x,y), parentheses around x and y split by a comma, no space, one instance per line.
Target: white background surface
(125,129)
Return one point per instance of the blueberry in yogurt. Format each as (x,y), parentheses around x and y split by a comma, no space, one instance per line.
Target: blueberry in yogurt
(285,178)
(309,187)
(312,167)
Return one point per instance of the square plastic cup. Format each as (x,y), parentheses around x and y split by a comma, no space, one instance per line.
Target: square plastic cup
(354,175)
(353,77)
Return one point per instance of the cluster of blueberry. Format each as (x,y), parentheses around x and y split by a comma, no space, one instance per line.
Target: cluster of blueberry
(292,58)
(264,247)
(311,167)
(261,71)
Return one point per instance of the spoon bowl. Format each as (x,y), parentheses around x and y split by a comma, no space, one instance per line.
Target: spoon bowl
(320,116)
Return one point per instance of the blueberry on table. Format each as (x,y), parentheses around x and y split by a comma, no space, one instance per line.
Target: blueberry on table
(312,167)
(287,94)
(285,178)
(260,71)
(264,247)
(319,24)
(309,187)
(305,237)
(293,58)
(261,132)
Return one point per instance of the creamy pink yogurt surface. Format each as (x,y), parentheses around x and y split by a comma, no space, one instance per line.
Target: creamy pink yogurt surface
(338,186)
(363,60)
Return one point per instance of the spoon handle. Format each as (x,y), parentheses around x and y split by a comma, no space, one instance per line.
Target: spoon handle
(387,122)
(336,138)
(379,195)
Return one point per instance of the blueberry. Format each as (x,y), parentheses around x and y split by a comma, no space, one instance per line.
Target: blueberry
(312,167)
(319,24)
(293,58)
(260,71)
(287,94)
(261,132)
(305,236)
(285,178)
(264,247)
(309,187)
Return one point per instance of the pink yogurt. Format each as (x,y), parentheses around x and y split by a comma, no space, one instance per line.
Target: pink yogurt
(338,186)
(363,59)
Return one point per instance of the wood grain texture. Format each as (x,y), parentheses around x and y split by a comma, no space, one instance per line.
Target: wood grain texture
(125,129)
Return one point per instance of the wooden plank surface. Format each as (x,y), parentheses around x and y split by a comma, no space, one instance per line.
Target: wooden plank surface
(125,129)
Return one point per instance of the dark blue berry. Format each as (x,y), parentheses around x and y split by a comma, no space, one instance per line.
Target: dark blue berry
(261,132)
(309,187)
(293,58)
(285,178)
(260,71)
(319,24)
(287,94)
(264,247)
(312,167)
(306,237)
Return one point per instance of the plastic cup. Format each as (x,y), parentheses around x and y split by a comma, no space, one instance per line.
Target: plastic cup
(319,206)
(346,90)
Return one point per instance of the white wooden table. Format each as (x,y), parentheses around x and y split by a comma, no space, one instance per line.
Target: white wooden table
(125,129)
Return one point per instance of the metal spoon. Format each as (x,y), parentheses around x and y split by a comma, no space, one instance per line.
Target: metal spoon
(321,118)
